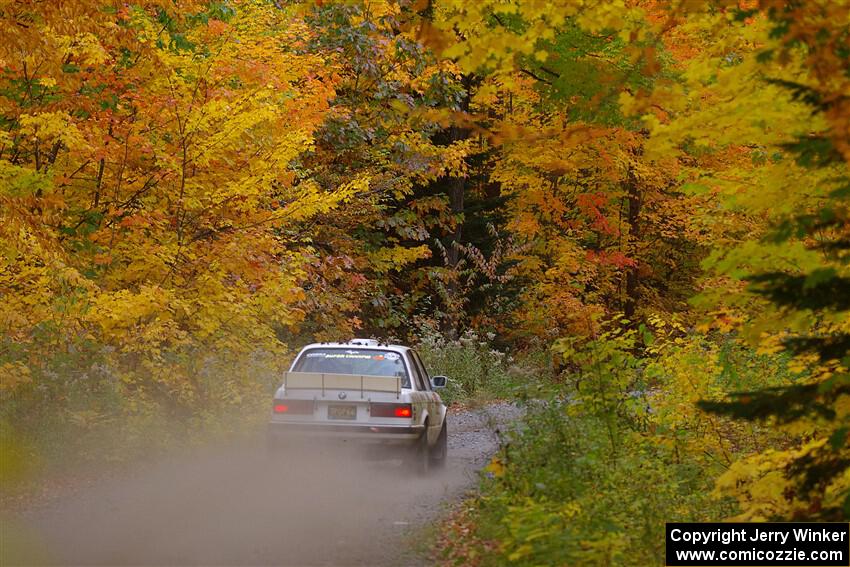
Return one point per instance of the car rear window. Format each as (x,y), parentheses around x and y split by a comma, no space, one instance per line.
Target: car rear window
(353,361)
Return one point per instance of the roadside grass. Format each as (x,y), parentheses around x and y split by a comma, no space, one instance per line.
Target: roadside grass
(608,454)
(557,493)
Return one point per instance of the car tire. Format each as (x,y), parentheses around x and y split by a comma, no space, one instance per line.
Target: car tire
(420,455)
(438,454)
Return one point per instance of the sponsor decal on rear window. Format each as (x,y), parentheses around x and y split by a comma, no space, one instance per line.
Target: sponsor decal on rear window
(364,362)
(346,355)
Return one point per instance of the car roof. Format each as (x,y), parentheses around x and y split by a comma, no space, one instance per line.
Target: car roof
(369,344)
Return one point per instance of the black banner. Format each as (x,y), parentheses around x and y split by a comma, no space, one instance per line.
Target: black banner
(762,544)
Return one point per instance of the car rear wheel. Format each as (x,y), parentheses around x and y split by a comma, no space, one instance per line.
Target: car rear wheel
(440,450)
(420,456)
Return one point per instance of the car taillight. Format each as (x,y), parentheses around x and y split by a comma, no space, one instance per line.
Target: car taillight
(293,406)
(391,410)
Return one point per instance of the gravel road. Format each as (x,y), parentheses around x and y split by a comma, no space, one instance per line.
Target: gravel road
(235,505)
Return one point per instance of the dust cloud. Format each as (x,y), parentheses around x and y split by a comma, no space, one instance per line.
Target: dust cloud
(239,504)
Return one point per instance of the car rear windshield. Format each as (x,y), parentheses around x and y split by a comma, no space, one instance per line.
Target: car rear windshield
(353,361)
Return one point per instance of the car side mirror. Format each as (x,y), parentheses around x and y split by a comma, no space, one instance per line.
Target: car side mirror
(438,381)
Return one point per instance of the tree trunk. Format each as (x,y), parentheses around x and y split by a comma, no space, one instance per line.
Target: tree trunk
(456,188)
(634,198)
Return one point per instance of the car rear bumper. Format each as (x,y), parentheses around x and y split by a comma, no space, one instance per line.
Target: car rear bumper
(383,434)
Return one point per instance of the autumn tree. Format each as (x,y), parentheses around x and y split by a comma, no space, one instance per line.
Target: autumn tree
(149,173)
(760,125)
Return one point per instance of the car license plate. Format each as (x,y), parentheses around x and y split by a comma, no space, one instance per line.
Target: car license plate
(338,411)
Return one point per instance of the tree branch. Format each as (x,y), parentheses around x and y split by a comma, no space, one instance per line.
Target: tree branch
(535,76)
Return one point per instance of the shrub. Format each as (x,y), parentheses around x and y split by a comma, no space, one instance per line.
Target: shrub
(618,451)
(475,370)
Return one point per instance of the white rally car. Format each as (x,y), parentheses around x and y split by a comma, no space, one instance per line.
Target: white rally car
(363,391)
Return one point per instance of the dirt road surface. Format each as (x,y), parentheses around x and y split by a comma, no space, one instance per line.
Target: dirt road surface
(235,505)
